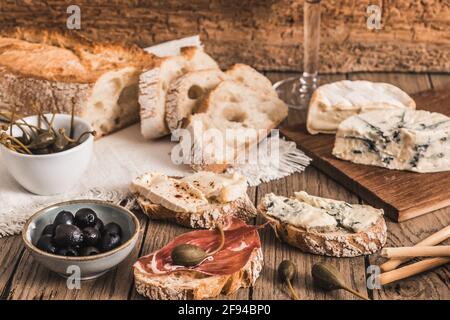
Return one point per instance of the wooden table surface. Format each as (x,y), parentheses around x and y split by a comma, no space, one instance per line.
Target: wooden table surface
(23,278)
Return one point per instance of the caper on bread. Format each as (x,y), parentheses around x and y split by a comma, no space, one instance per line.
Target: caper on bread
(200,200)
(325,226)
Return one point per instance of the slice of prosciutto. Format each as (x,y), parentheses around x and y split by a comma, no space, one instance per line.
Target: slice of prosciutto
(240,242)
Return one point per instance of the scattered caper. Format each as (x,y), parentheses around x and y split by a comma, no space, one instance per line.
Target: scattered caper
(190,255)
(287,271)
(328,277)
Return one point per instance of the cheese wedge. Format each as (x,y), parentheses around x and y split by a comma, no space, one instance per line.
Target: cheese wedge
(396,139)
(332,103)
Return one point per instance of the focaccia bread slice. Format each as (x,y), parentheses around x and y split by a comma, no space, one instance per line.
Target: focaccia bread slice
(201,200)
(237,265)
(51,71)
(235,117)
(325,226)
(155,82)
(334,102)
(396,139)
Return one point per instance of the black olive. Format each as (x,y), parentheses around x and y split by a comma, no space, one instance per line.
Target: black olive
(91,236)
(45,243)
(109,241)
(67,252)
(64,217)
(67,235)
(49,229)
(113,228)
(89,251)
(41,151)
(85,217)
(99,225)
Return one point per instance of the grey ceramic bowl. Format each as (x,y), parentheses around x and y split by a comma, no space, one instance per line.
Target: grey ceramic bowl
(90,266)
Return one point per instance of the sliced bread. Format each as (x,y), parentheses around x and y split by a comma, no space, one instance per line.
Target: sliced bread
(325,226)
(188,285)
(236,265)
(155,82)
(231,119)
(201,200)
(187,92)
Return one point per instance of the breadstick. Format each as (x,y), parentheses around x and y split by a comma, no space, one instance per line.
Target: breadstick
(432,240)
(412,269)
(419,251)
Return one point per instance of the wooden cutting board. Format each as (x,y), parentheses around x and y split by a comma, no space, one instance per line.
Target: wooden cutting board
(403,195)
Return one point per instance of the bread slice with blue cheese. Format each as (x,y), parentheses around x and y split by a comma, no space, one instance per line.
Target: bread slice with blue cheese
(200,200)
(334,102)
(413,140)
(325,226)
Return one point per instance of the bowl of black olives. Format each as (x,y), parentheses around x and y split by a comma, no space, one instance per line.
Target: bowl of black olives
(84,238)
(47,154)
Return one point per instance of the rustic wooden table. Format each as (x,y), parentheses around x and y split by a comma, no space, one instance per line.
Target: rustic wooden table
(23,278)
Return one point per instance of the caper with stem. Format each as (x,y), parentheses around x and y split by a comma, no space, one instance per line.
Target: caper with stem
(287,271)
(328,277)
(190,255)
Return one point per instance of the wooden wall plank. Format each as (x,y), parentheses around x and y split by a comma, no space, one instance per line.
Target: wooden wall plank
(439,80)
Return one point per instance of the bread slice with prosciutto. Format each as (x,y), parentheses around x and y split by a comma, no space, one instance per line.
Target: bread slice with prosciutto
(154,84)
(237,265)
(200,200)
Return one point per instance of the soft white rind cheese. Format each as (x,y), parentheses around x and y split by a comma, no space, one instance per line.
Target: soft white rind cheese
(396,139)
(191,193)
(332,103)
(321,214)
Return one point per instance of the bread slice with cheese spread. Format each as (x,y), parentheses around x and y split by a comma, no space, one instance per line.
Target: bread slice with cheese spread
(201,200)
(334,102)
(325,226)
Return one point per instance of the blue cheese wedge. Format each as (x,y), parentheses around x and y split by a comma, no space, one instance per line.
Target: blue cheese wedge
(410,140)
(332,103)
(192,193)
(320,214)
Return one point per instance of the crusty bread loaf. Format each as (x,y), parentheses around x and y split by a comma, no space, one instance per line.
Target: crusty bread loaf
(336,243)
(245,74)
(55,72)
(191,285)
(155,82)
(239,116)
(210,216)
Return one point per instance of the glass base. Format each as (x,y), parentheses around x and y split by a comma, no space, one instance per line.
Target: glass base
(296,92)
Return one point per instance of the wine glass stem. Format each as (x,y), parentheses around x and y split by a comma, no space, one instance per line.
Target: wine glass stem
(311,22)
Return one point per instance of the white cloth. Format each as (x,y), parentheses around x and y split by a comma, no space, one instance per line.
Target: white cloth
(117,160)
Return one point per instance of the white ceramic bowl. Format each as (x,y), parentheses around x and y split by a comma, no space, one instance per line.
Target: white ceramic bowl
(55,173)
(90,266)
